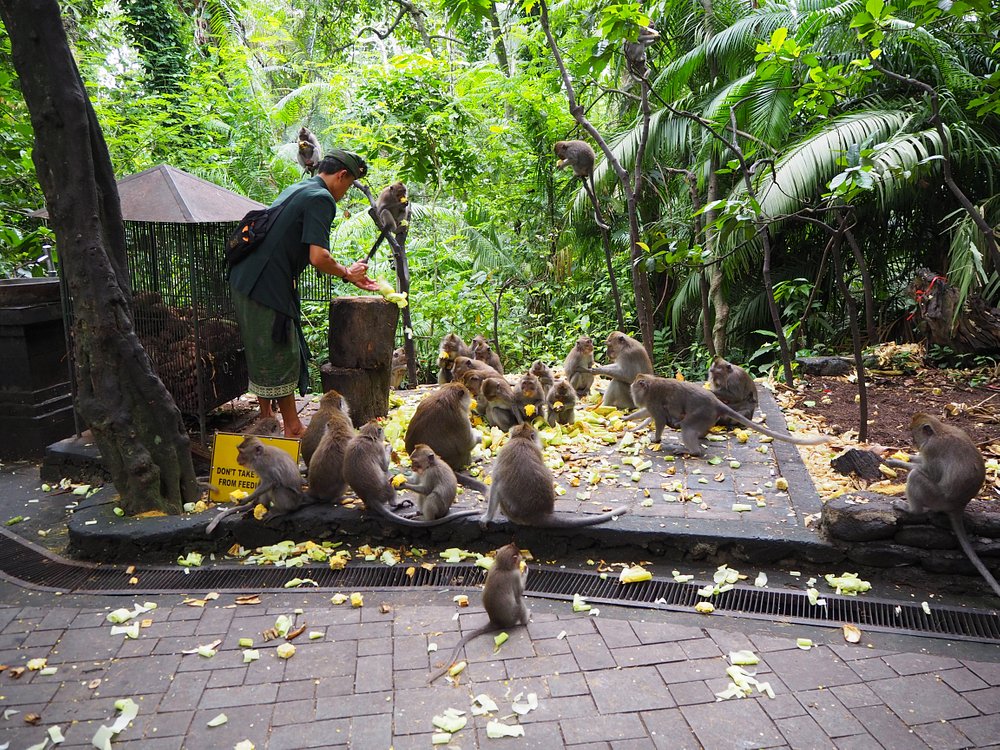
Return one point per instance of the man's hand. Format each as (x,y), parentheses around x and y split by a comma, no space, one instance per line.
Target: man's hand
(357,274)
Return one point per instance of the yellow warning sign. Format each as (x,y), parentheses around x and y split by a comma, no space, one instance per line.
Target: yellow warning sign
(228,475)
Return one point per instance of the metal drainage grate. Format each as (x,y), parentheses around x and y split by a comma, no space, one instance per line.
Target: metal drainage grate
(34,567)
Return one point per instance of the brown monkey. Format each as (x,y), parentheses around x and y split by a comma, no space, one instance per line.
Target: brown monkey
(501,403)
(635,52)
(463,364)
(948,472)
(366,468)
(484,353)
(397,373)
(503,599)
(451,348)
(310,152)
(528,391)
(628,358)
(280,486)
(437,485)
(393,208)
(326,469)
(561,403)
(544,374)
(442,423)
(522,486)
(692,409)
(733,387)
(580,156)
(331,402)
(577,366)
(473,381)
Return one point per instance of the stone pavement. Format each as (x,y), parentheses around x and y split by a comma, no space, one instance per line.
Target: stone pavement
(621,679)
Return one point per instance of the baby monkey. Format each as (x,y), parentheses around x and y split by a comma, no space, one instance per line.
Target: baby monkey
(580,157)
(503,599)
(948,472)
(436,487)
(280,486)
(561,403)
(734,387)
(577,366)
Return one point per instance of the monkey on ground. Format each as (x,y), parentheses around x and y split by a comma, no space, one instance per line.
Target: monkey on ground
(500,403)
(503,599)
(561,403)
(451,348)
(473,381)
(331,402)
(946,474)
(692,409)
(528,392)
(397,373)
(523,487)
(436,487)
(734,387)
(577,366)
(310,152)
(482,351)
(544,374)
(628,358)
(280,486)
(366,468)
(463,364)
(580,157)
(326,468)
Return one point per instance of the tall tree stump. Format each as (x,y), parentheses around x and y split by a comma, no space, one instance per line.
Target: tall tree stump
(361,339)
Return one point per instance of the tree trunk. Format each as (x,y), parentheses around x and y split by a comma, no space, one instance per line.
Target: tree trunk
(136,424)
(974,329)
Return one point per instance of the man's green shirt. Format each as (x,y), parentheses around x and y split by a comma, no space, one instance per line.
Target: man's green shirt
(270,274)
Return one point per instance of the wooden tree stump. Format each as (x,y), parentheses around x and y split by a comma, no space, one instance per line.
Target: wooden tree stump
(976,328)
(361,340)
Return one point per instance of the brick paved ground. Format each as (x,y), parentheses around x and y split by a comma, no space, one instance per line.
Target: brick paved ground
(622,679)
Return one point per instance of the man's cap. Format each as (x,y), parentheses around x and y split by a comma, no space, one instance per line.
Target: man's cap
(355,164)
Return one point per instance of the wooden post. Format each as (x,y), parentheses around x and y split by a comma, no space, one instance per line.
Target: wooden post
(361,340)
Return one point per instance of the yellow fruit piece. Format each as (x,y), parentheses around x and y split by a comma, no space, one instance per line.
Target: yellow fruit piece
(887,472)
(286,650)
(781,483)
(473,404)
(705,608)
(557,405)
(259,511)
(398,480)
(635,574)
(462,600)
(457,668)
(529,409)
(237,495)
(338,599)
(443,354)
(357,600)
(679,376)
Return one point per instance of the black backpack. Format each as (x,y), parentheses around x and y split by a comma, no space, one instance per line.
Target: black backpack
(251,231)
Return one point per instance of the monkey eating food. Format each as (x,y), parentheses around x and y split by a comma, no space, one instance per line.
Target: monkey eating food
(436,487)
(734,387)
(280,486)
(501,409)
(310,152)
(366,468)
(522,486)
(628,359)
(503,599)
(946,474)
(529,398)
(692,409)
(452,347)
(392,207)
(561,403)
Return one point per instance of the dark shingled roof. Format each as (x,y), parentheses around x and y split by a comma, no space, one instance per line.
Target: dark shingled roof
(166,194)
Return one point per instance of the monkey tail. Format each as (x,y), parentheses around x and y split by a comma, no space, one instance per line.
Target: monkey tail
(552,521)
(227,512)
(725,411)
(488,628)
(381,506)
(958,525)
(472,484)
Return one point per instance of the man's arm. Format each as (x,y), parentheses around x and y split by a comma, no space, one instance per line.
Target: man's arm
(356,273)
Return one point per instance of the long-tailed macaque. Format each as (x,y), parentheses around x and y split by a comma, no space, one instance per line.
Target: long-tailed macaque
(522,487)
(326,469)
(442,423)
(580,157)
(436,485)
(628,358)
(544,374)
(463,364)
(280,486)
(473,381)
(577,366)
(331,402)
(393,208)
(366,468)
(561,403)
(948,472)
(635,52)
(734,387)
(692,409)
(528,393)
(500,403)
(452,347)
(503,599)
(310,152)
(483,352)
(398,369)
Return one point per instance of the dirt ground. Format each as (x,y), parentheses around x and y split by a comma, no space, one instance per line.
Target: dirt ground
(893,399)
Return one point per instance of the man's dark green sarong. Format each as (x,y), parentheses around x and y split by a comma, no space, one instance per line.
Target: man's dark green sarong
(274,368)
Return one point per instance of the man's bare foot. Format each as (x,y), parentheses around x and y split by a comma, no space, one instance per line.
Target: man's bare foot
(294,431)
